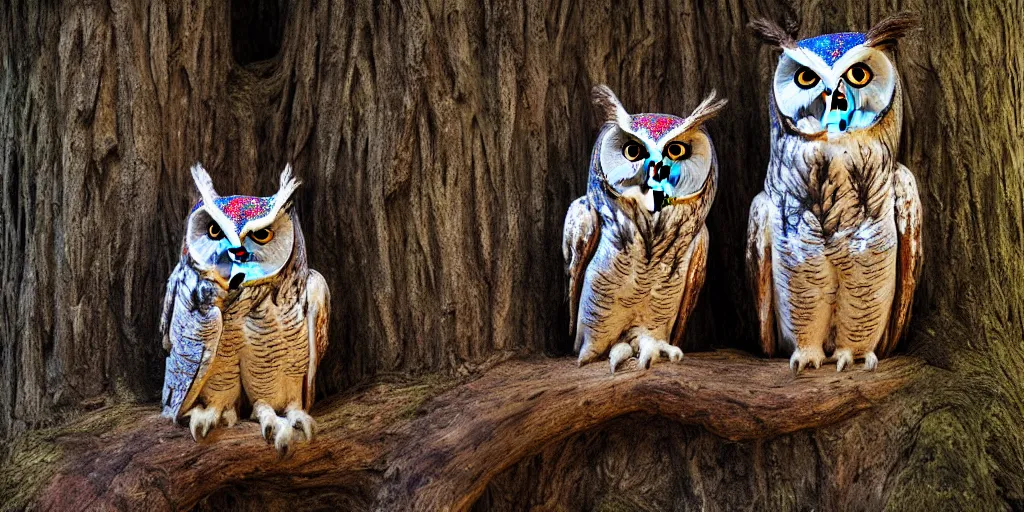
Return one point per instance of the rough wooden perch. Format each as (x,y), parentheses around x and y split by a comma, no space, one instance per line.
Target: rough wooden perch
(430,444)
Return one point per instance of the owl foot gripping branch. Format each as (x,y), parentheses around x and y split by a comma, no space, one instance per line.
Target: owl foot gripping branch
(244,318)
(833,246)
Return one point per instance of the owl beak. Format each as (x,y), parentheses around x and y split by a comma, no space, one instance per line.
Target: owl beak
(239,254)
(657,173)
(837,113)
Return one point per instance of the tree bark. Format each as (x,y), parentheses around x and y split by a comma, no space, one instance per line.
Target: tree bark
(440,145)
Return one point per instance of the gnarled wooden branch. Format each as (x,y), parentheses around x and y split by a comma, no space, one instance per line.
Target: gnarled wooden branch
(431,444)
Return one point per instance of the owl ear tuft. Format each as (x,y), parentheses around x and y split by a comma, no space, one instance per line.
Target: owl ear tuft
(887,32)
(203,183)
(771,33)
(609,108)
(707,109)
(288,184)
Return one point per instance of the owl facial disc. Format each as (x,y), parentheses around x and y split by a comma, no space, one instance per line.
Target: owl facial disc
(833,83)
(654,159)
(241,239)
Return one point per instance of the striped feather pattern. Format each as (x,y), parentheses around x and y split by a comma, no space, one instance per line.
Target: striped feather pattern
(828,212)
(636,280)
(264,348)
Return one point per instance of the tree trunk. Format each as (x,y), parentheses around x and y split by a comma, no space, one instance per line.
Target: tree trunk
(439,145)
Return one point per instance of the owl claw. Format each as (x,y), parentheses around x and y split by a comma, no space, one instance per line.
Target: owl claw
(870,361)
(586,356)
(283,434)
(302,422)
(844,359)
(619,353)
(284,431)
(197,436)
(796,366)
(650,351)
(805,358)
(201,421)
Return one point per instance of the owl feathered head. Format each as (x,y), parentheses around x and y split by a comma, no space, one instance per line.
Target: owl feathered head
(838,82)
(241,239)
(656,159)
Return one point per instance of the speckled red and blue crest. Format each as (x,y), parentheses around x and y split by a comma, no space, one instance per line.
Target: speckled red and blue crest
(830,47)
(656,125)
(242,209)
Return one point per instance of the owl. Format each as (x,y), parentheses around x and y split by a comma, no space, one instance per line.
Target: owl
(244,317)
(834,239)
(636,245)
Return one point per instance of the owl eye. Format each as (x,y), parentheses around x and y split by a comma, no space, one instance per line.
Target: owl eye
(632,151)
(214,231)
(805,78)
(858,75)
(677,150)
(262,236)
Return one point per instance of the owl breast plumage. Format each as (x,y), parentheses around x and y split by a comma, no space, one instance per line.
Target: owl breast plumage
(636,244)
(245,319)
(834,238)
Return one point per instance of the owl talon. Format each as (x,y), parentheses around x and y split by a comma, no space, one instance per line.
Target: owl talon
(302,422)
(284,431)
(675,354)
(196,435)
(201,421)
(650,350)
(648,355)
(283,436)
(796,366)
(844,359)
(870,361)
(619,353)
(802,359)
(586,356)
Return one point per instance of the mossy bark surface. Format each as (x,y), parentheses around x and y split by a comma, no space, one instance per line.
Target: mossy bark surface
(440,145)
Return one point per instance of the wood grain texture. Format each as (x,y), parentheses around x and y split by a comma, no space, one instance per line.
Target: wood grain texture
(440,145)
(430,444)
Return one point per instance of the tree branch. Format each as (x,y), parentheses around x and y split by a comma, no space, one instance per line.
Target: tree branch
(429,444)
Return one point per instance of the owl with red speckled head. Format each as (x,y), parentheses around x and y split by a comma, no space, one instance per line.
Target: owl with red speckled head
(834,240)
(636,244)
(244,318)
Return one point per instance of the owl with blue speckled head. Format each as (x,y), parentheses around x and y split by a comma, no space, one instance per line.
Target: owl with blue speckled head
(636,245)
(834,239)
(244,317)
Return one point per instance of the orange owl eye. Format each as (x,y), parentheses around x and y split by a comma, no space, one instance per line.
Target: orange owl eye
(858,75)
(677,150)
(214,231)
(262,236)
(632,151)
(805,78)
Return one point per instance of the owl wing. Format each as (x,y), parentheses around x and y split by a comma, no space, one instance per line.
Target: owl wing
(579,240)
(694,282)
(191,327)
(318,309)
(759,269)
(168,310)
(908,257)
